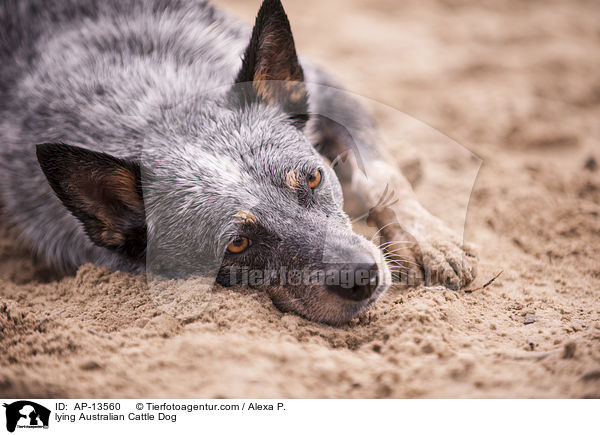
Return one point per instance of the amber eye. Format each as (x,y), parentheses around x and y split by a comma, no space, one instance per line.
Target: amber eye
(314,179)
(238,245)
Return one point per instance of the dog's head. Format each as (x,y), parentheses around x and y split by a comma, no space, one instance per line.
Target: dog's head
(239,193)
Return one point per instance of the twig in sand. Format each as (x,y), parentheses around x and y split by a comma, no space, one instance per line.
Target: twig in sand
(491,280)
(568,351)
(94,332)
(538,356)
(48,318)
(469,290)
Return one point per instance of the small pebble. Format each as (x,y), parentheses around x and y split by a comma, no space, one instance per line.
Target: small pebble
(529,318)
(90,365)
(591,376)
(591,164)
(569,351)
(428,348)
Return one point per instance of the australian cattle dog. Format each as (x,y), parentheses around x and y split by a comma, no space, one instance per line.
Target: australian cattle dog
(165,135)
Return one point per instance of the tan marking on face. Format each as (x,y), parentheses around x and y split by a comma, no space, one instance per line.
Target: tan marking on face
(245,217)
(292,180)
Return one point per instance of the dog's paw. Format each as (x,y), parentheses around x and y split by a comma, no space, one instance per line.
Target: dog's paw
(438,257)
(446,260)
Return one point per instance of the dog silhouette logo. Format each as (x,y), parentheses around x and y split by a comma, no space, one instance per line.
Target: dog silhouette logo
(26,414)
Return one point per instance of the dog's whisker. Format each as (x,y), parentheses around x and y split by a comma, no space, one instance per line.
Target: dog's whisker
(402,260)
(395,255)
(361,217)
(402,266)
(382,228)
(395,242)
(395,251)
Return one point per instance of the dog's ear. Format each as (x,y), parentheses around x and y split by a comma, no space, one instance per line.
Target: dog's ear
(271,64)
(102,191)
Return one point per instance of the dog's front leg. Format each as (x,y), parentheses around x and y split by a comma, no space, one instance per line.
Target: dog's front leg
(418,245)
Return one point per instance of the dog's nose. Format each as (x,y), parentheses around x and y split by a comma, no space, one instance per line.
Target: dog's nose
(357,281)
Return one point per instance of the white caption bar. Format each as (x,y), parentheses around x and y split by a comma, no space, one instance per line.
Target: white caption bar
(246,416)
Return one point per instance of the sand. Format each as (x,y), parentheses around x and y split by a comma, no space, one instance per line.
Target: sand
(517,84)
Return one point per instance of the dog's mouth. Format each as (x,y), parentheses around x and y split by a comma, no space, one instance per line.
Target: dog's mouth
(328,308)
(332,303)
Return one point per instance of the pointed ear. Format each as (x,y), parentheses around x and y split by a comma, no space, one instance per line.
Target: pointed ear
(271,64)
(103,192)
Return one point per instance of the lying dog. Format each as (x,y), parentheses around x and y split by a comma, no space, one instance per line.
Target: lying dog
(197,148)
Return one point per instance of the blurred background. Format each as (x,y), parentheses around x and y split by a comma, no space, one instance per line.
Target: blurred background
(488,73)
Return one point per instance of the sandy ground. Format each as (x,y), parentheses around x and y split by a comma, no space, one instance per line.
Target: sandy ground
(518,84)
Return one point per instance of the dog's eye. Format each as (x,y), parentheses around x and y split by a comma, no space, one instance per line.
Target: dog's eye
(238,245)
(314,179)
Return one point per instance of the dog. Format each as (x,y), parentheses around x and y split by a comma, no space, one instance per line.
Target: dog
(165,137)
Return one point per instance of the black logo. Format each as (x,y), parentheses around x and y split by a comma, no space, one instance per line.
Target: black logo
(26,414)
